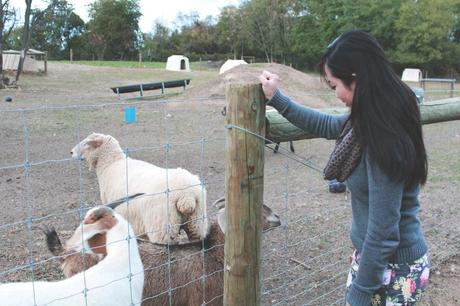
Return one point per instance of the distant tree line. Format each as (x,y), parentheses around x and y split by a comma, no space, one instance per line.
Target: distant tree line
(415,33)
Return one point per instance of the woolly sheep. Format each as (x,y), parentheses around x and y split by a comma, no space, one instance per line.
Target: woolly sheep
(118,279)
(174,199)
(187,266)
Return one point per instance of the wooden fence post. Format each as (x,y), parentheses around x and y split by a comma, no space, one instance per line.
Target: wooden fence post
(244,171)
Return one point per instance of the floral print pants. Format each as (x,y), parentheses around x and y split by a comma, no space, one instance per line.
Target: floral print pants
(402,283)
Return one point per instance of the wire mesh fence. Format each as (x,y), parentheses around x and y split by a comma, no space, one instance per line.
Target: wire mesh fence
(305,260)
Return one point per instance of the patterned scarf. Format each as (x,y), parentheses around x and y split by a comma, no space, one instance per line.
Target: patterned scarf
(345,157)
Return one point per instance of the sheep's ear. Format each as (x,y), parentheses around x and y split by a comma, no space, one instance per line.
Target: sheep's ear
(95,143)
(221,220)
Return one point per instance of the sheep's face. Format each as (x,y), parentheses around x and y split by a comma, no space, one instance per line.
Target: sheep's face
(88,148)
(90,143)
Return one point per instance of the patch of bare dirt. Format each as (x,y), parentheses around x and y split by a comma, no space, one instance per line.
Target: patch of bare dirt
(444,286)
(305,260)
(299,86)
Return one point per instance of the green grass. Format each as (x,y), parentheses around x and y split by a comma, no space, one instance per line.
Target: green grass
(135,64)
(120,64)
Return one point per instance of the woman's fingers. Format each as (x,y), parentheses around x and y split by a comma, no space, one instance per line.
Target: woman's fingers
(263,79)
(270,76)
(269,83)
(266,74)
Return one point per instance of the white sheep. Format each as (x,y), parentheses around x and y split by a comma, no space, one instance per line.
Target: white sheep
(174,199)
(187,265)
(118,279)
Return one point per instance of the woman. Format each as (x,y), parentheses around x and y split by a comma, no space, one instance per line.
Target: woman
(381,154)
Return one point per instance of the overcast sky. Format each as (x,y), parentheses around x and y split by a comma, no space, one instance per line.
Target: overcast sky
(161,10)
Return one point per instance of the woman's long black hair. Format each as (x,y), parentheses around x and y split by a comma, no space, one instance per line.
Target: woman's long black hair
(384,114)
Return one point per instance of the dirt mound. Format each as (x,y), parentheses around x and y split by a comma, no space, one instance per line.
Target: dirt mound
(301,87)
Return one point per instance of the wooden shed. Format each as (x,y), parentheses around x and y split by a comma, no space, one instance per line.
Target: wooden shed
(36,61)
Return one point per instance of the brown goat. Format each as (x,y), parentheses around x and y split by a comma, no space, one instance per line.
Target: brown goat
(189,274)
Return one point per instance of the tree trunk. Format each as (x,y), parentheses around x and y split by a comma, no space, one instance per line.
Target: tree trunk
(25,39)
(4,5)
(2,25)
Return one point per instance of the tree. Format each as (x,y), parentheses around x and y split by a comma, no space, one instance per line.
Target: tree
(55,28)
(7,15)
(268,24)
(229,31)
(25,39)
(199,38)
(114,28)
(259,26)
(423,31)
(13,40)
(158,44)
(420,33)
(75,36)
(3,6)
(193,36)
(414,33)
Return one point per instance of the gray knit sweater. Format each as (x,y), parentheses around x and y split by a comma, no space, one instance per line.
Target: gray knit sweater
(385,226)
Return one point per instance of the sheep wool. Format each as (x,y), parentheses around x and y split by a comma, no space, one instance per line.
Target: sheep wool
(174,198)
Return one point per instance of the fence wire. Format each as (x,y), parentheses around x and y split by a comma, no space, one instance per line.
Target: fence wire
(305,261)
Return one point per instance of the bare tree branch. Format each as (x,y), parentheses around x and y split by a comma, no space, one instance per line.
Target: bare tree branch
(25,39)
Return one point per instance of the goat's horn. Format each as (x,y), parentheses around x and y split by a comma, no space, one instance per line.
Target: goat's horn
(115,203)
(220,200)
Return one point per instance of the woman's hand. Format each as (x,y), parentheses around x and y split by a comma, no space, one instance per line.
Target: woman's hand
(270,83)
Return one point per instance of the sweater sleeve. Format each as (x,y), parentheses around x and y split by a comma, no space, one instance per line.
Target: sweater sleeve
(382,237)
(305,118)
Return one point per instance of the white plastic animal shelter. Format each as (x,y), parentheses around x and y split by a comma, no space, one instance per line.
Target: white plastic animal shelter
(411,75)
(178,63)
(229,64)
